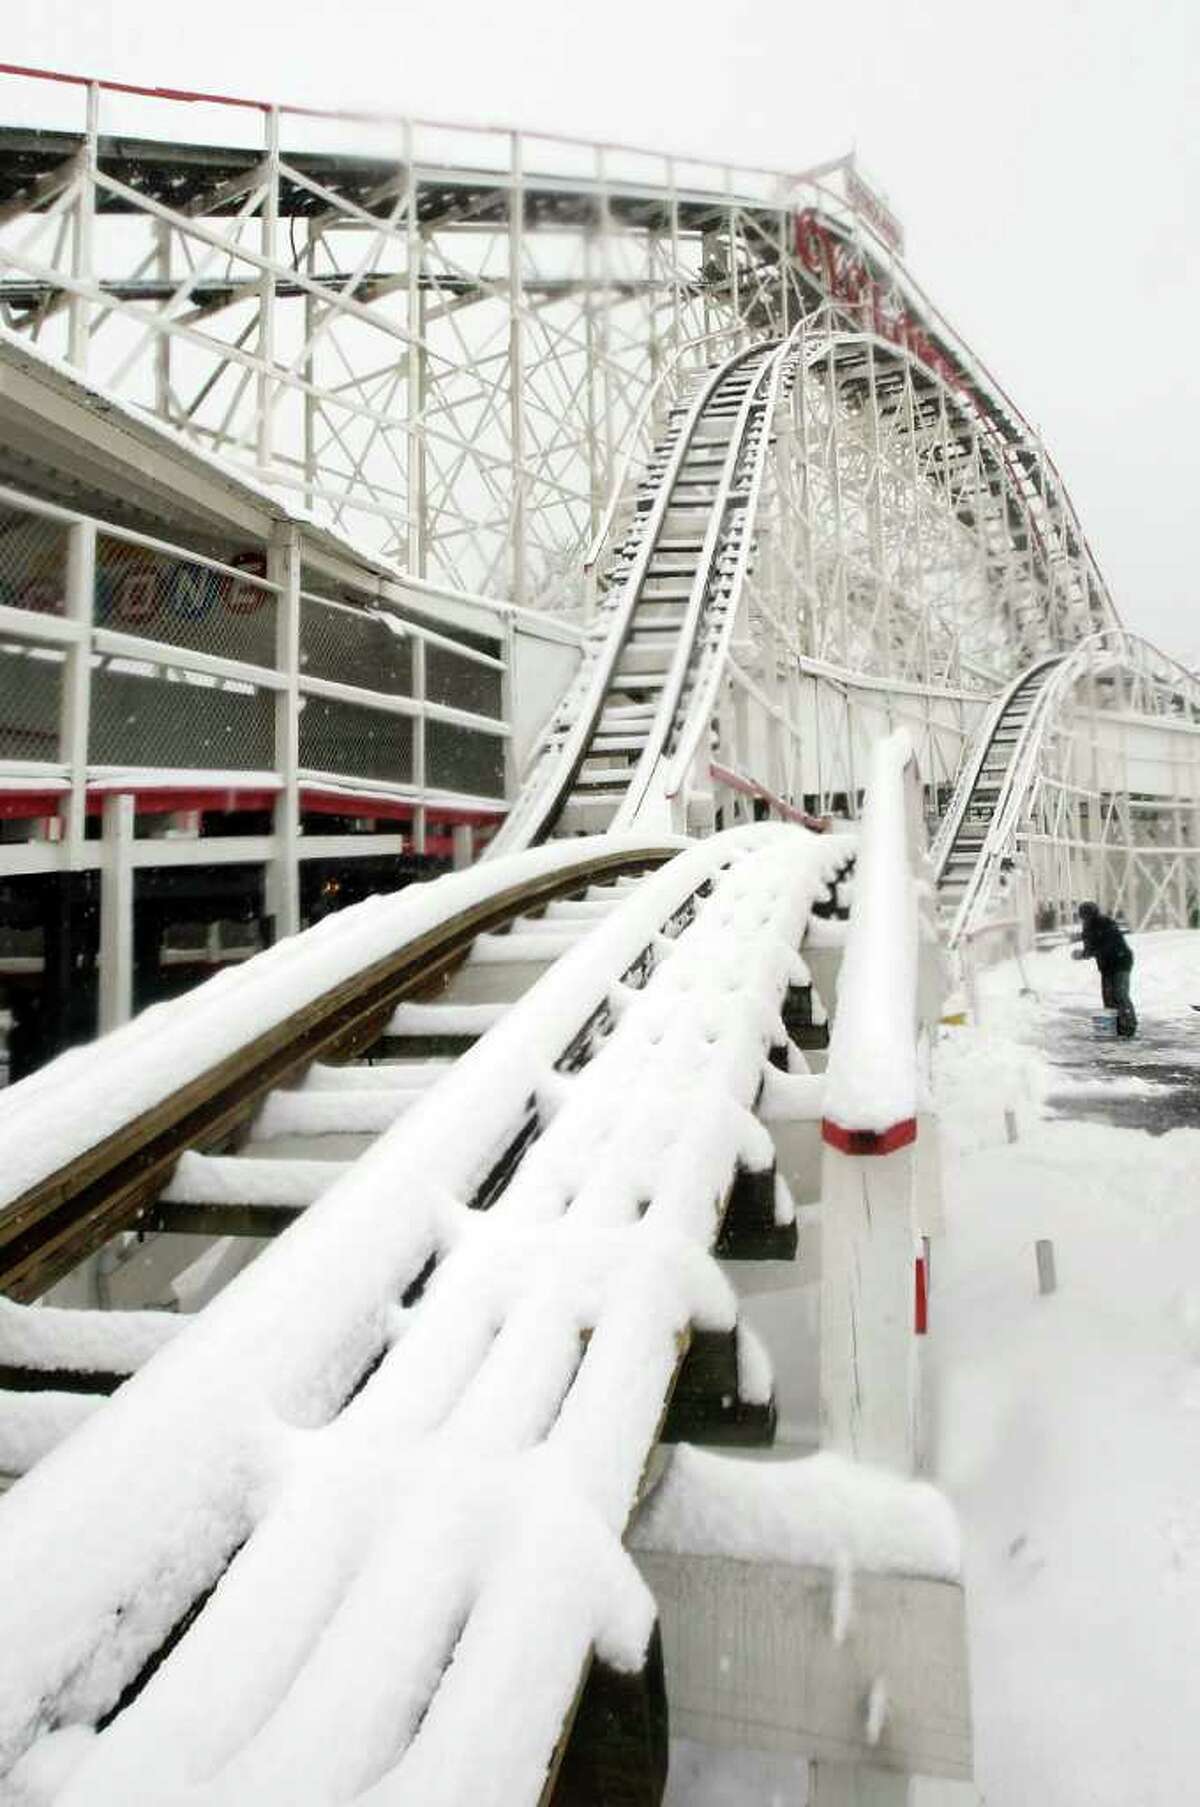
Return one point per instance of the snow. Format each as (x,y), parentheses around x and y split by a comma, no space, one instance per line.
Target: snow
(202,1179)
(32,1423)
(471,1498)
(792,1097)
(871,1078)
(756,1379)
(1070,1425)
(328,1112)
(820,1510)
(444,1019)
(546,944)
(103,1342)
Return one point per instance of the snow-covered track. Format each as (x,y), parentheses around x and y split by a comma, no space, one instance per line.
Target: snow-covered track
(406,1443)
(643,693)
(88,1145)
(960,851)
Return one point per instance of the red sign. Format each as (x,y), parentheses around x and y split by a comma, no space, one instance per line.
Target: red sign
(880,218)
(846,276)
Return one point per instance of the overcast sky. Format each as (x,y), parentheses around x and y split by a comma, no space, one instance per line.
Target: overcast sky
(1042,154)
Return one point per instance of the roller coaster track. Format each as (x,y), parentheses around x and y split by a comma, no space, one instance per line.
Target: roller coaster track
(113,1184)
(964,847)
(545,1012)
(644,692)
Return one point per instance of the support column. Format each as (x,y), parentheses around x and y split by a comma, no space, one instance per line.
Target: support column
(266,300)
(516,374)
(283,871)
(463,840)
(868,1347)
(420,772)
(416,372)
(79,319)
(162,348)
(116,914)
(77,683)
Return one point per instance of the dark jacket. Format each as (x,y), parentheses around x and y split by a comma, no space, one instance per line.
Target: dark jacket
(1104,943)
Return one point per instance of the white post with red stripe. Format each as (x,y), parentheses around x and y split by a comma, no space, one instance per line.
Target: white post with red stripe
(868,1303)
(873,1293)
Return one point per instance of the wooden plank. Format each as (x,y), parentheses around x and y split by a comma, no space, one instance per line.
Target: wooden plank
(199,1219)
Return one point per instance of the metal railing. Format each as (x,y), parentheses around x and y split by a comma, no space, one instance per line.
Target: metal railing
(120,652)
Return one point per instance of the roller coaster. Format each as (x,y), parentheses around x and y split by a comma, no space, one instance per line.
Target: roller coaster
(378,492)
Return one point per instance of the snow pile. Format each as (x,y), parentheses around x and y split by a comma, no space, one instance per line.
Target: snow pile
(470,1499)
(822,1511)
(871,1079)
(792,1097)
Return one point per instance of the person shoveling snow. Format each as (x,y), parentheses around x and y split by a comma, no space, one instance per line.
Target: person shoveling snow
(1104,943)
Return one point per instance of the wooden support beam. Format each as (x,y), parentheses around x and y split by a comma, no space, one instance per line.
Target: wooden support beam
(749,1231)
(420,1047)
(705,1405)
(199,1219)
(15,1379)
(616,1752)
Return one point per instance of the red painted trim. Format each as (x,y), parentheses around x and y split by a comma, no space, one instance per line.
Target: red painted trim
(16,806)
(390,809)
(111,87)
(748,787)
(30,804)
(869,1141)
(338,803)
(921,1306)
(185,801)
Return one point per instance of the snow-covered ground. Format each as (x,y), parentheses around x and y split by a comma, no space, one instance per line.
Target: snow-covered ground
(1068,1426)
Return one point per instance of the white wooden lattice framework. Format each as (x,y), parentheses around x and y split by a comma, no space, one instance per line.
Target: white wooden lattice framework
(457,347)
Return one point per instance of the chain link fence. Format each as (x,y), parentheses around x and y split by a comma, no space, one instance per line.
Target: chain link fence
(355,741)
(161,712)
(177,601)
(460,759)
(33,562)
(31,688)
(352,646)
(462,683)
(145,714)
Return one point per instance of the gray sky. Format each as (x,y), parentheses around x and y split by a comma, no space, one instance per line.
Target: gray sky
(1043,154)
